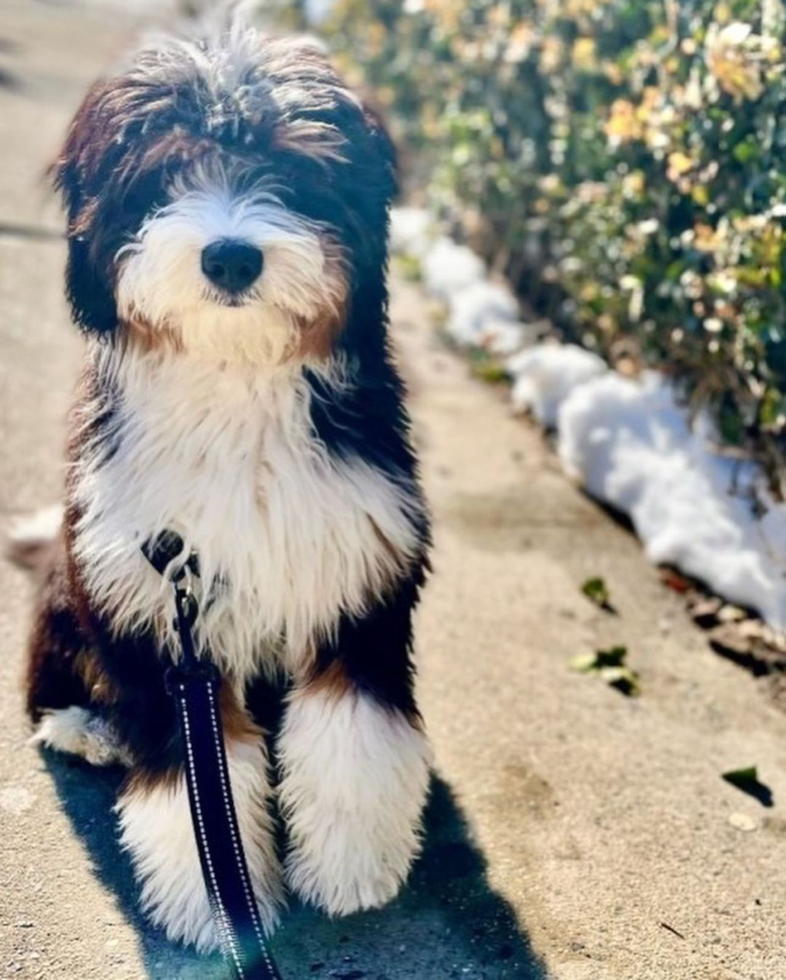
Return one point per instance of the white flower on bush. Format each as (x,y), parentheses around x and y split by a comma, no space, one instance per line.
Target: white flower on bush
(634,286)
(724,281)
(692,284)
(649,226)
(737,58)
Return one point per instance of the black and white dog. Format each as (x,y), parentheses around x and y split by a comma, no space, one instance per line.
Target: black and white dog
(227,209)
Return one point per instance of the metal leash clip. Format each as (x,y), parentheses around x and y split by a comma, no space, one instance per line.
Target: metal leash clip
(163,553)
(189,666)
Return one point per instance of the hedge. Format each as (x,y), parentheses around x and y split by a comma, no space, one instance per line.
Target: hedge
(621,161)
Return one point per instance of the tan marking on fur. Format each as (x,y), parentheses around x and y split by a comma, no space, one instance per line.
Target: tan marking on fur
(144,781)
(316,338)
(238,725)
(142,336)
(332,682)
(51,681)
(309,138)
(98,684)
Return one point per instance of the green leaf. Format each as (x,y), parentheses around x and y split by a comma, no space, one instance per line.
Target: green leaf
(622,679)
(770,407)
(409,267)
(743,779)
(596,590)
(610,666)
(613,657)
(584,663)
(747,150)
(599,660)
(490,371)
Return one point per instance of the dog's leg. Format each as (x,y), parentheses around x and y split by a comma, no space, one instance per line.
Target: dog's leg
(66,687)
(82,732)
(57,647)
(355,766)
(156,829)
(103,698)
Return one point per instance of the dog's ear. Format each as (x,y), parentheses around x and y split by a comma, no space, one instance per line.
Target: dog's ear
(89,290)
(385,151)
(75,176)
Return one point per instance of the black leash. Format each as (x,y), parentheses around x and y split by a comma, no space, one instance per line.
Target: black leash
(194,686)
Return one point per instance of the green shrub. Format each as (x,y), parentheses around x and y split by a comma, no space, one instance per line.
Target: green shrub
(621,161)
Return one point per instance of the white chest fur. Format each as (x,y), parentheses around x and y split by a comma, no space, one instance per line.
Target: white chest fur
(289,536)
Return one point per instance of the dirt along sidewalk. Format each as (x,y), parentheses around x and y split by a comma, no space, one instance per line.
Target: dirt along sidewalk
(573,833)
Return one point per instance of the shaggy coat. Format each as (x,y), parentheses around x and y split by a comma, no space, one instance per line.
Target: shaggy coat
(265,426)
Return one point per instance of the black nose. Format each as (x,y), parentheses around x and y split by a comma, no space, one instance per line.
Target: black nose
(231,264)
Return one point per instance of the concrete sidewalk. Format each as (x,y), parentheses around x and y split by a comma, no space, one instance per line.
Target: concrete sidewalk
(573,834)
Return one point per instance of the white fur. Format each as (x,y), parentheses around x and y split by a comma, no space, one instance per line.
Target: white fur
(355,777)
(161,281)
(156,829)
(80,732)
(288,536)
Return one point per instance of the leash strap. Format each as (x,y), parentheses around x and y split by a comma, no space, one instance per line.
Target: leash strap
(194,687)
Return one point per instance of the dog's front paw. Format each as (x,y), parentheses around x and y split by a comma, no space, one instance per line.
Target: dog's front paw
(355,780)
(156,828)
(351,867)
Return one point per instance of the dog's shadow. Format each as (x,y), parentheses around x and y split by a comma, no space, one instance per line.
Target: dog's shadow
(448,922)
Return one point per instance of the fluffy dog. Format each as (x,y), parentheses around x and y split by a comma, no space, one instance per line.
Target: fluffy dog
(227,205)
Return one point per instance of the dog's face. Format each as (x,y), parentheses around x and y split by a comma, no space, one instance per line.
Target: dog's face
(224,197)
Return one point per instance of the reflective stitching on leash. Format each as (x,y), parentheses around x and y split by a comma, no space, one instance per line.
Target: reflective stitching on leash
(161,552)
(250,899)
(222,915)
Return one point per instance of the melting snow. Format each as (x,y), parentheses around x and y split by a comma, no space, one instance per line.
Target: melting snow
(629,442)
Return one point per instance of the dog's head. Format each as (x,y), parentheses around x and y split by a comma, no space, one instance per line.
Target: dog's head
(224,196)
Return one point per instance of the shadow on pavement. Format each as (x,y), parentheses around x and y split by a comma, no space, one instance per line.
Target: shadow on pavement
(447,923)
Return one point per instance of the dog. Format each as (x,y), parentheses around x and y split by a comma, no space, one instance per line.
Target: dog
(228,204)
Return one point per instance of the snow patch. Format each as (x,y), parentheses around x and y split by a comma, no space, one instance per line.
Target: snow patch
(449,268)
(628,441)
(410,232)
(632,447)
(477,312)
(505,337)
(544,376)
(481,313)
